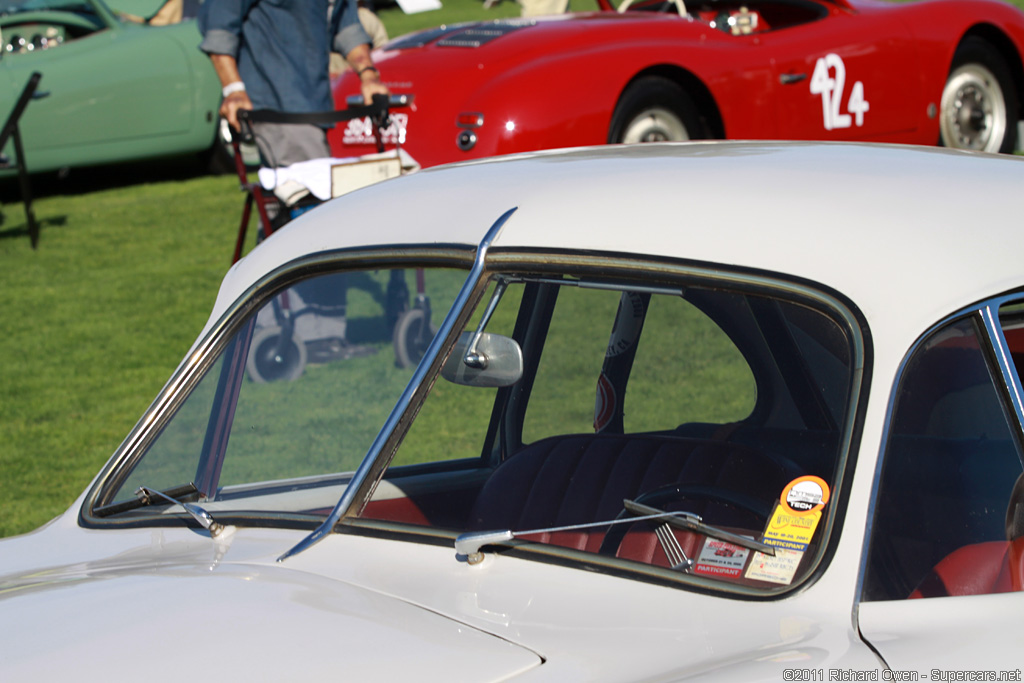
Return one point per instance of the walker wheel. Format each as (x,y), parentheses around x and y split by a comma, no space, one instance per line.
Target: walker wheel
(270,360)
(410,338)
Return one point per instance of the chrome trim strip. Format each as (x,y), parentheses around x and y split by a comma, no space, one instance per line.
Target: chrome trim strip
(348,498)
(994,333)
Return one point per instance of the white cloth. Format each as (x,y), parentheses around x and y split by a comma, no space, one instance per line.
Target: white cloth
(315,174)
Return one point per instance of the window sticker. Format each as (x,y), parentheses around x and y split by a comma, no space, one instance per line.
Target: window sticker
(805,494)
(797,513)
(719,558)
(778,569)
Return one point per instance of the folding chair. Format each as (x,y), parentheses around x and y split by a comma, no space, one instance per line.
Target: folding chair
(10,131)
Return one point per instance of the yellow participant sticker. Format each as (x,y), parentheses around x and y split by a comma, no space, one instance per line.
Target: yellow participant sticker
(796,515)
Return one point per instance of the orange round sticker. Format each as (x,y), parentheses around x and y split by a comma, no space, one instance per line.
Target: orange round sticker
(804,495)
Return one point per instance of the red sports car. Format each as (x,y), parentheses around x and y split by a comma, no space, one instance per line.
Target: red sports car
(931,72)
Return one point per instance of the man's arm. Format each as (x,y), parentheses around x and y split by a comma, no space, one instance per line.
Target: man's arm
(236,97)
(220,24)
(362,63)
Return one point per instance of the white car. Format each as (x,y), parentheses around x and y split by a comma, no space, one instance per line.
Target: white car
(729,411)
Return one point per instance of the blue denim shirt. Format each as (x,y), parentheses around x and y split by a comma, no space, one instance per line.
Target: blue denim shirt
(282,47)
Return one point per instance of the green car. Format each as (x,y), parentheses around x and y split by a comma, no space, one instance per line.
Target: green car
(115,90)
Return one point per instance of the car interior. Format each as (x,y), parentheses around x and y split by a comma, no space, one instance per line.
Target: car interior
(697,400)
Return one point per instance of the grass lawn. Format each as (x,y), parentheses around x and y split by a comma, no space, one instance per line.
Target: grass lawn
(99,315)
(95,320)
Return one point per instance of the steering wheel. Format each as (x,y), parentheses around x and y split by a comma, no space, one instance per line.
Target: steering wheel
(667,494)
(680,6)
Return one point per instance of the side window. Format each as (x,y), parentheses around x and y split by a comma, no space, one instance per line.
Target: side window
(719,407)
(687,371)
(949,466)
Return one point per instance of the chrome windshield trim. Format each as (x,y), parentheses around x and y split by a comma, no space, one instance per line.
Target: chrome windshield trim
(362,474)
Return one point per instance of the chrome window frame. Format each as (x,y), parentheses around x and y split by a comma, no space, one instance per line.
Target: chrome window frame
(986,314)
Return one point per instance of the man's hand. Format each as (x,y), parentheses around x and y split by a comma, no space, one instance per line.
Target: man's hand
(361,62)
(371,85)
(230,105)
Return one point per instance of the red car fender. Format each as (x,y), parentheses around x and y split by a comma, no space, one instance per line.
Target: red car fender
(938,27)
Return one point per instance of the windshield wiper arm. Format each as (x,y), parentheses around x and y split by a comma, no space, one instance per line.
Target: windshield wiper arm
(178,495)
(204,518)
(469,544)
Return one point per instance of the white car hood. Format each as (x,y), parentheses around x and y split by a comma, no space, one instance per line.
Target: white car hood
(124,618)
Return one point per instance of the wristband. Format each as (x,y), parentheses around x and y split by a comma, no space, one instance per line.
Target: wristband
(232,88)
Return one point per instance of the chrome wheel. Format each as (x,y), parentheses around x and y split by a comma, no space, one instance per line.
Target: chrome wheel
(973,110)
(979,105)
(655,125)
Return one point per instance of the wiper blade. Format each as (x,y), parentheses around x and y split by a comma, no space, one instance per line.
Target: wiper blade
(694,523)
(187,492)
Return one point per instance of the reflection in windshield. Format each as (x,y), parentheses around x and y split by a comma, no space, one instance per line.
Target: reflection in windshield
(297,395)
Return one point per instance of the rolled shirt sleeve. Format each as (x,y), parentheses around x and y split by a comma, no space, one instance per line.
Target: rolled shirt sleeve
(220,23)
(347,31)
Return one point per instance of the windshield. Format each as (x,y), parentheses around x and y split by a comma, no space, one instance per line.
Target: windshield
(289,407)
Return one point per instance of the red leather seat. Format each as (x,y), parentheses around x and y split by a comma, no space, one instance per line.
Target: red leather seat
(983,568)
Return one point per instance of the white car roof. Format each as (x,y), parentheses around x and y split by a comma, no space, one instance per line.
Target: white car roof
(909,234)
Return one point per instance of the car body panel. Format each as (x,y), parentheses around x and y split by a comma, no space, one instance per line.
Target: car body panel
(950,629)
(181,577)
(816,215)
(899,53)
(197,582)
(894,262)
(124,92)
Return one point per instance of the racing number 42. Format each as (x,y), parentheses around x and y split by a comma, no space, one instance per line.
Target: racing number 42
(829,81)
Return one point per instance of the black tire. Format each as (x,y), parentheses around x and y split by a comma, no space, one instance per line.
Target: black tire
(271,361)
(655,109)
(410,338)
(979,106)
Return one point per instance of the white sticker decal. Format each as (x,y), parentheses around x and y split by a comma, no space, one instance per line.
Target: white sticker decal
(718,558)
(360,131)
(829,81)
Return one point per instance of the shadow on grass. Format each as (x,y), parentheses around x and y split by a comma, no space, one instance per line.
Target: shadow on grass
(84,180)
(20,231)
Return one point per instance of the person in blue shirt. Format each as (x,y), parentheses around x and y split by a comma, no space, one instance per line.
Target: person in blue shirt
(274,54)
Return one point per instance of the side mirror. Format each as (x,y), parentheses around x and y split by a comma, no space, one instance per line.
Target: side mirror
(500,361)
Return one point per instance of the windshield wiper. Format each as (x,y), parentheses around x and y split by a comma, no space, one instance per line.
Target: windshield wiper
(691,522)
(469,544)
(145,496)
